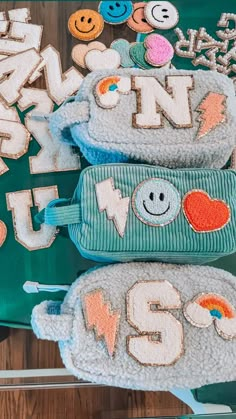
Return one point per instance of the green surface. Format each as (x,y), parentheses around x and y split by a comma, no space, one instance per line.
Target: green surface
(213,416)
(210,416)
(61,263)
(193,15)
(224,393)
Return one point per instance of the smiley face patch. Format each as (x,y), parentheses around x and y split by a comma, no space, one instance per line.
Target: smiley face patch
(115,12)
(86,24)
(161,14)
(137,22)
(156,202)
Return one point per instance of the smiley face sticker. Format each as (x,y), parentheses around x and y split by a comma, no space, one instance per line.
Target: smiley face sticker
(156,202)
(115,12)
(86,24)
(137,22)
(161,14)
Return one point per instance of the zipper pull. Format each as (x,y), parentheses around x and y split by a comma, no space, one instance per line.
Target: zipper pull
(35,287)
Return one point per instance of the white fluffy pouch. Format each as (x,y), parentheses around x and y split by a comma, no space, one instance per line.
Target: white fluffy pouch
(146,326)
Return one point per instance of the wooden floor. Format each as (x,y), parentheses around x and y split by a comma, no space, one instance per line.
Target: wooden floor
(21,349)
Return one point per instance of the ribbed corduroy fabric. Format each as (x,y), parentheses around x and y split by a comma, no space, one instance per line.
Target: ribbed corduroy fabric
(97,238)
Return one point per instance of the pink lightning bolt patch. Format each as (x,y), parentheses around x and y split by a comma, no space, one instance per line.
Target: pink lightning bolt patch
(102,319)
(212,110)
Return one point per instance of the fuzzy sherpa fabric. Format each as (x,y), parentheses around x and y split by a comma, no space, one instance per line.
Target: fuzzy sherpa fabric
(206,356)
(109,135)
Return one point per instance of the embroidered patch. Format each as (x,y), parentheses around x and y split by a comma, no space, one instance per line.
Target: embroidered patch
(21,37)
(213,113)
(20,67)
(86,24)
(205,214)
(3,233)
(19,15)
(161,14)
(115,12)
(79,51)
(122,47)
(137,54)
(8,114)
(159,50)
(14,139)
(161,340)
(37,72)
(2,16)
(185,47)
(207,309)
(100,317)
(3,167)
(108,90)
(156,202)
(54,156)
(110,200)
(102,60)
(20,203)
(154,101)
(60,85)
(137,22)
(3,30)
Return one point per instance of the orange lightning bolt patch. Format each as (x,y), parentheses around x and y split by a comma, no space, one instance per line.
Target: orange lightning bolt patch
(100,317)
(212,110)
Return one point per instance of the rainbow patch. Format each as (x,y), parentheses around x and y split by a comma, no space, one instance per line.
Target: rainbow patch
(208,309)
(217,305)
(110,84)
(108,90)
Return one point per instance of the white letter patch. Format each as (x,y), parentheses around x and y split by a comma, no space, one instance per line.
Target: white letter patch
(155,101)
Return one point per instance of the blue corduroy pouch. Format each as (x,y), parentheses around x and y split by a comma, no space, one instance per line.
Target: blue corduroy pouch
(126,212)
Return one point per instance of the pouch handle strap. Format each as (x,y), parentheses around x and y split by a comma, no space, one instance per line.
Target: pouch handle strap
(55,215)
(65,117)
(49,323)
(60,121)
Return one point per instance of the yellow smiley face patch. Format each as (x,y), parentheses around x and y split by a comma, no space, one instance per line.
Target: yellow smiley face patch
(86,24)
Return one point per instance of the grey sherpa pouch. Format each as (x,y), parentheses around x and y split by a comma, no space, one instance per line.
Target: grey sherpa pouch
(146,326)
(172,118)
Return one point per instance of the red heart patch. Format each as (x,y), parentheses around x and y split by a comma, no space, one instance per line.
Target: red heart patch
(205,214)
(3,233)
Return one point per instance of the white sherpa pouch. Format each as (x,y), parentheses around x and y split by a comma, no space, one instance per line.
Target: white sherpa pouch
(172,118)
(146,326)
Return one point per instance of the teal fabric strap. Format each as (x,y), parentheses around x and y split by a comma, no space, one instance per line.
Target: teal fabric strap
(60,215)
